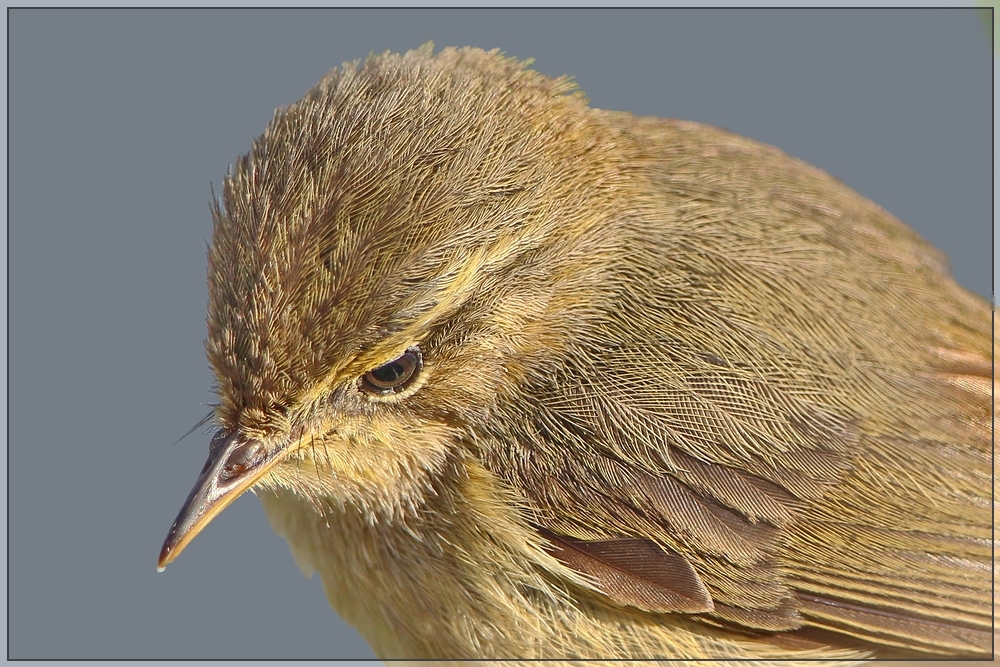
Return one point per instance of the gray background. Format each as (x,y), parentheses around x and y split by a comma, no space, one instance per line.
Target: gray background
(119,121)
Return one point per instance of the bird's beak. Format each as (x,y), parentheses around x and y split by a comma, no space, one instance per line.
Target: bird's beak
(234,465)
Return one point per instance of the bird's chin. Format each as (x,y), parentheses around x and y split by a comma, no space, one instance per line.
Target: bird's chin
(381,483)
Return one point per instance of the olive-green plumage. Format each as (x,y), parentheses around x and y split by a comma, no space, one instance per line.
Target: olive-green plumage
(658,390)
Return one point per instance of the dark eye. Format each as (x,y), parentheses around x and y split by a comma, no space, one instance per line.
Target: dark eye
(394,376)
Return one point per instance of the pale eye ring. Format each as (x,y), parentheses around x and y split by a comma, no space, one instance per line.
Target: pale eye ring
(394,376)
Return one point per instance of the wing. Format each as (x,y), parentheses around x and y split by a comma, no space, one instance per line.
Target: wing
(777,418)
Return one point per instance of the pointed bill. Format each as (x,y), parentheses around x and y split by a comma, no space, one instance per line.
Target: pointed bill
(234,465)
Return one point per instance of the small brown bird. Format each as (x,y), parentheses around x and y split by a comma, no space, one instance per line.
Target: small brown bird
(520,378)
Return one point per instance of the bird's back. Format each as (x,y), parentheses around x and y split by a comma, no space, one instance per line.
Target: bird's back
(845,368)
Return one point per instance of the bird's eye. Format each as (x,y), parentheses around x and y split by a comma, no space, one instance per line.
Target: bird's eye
(394,376)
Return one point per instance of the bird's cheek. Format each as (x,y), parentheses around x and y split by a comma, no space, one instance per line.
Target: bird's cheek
(387,461)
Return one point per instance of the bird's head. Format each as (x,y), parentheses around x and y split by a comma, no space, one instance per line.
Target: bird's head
(398,253)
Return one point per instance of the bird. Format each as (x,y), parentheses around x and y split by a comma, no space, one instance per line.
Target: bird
(522,378)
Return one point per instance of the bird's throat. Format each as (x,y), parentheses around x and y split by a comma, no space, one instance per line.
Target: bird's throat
(462,556)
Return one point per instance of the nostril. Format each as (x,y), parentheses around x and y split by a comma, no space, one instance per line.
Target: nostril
(243,458)
(235,469)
